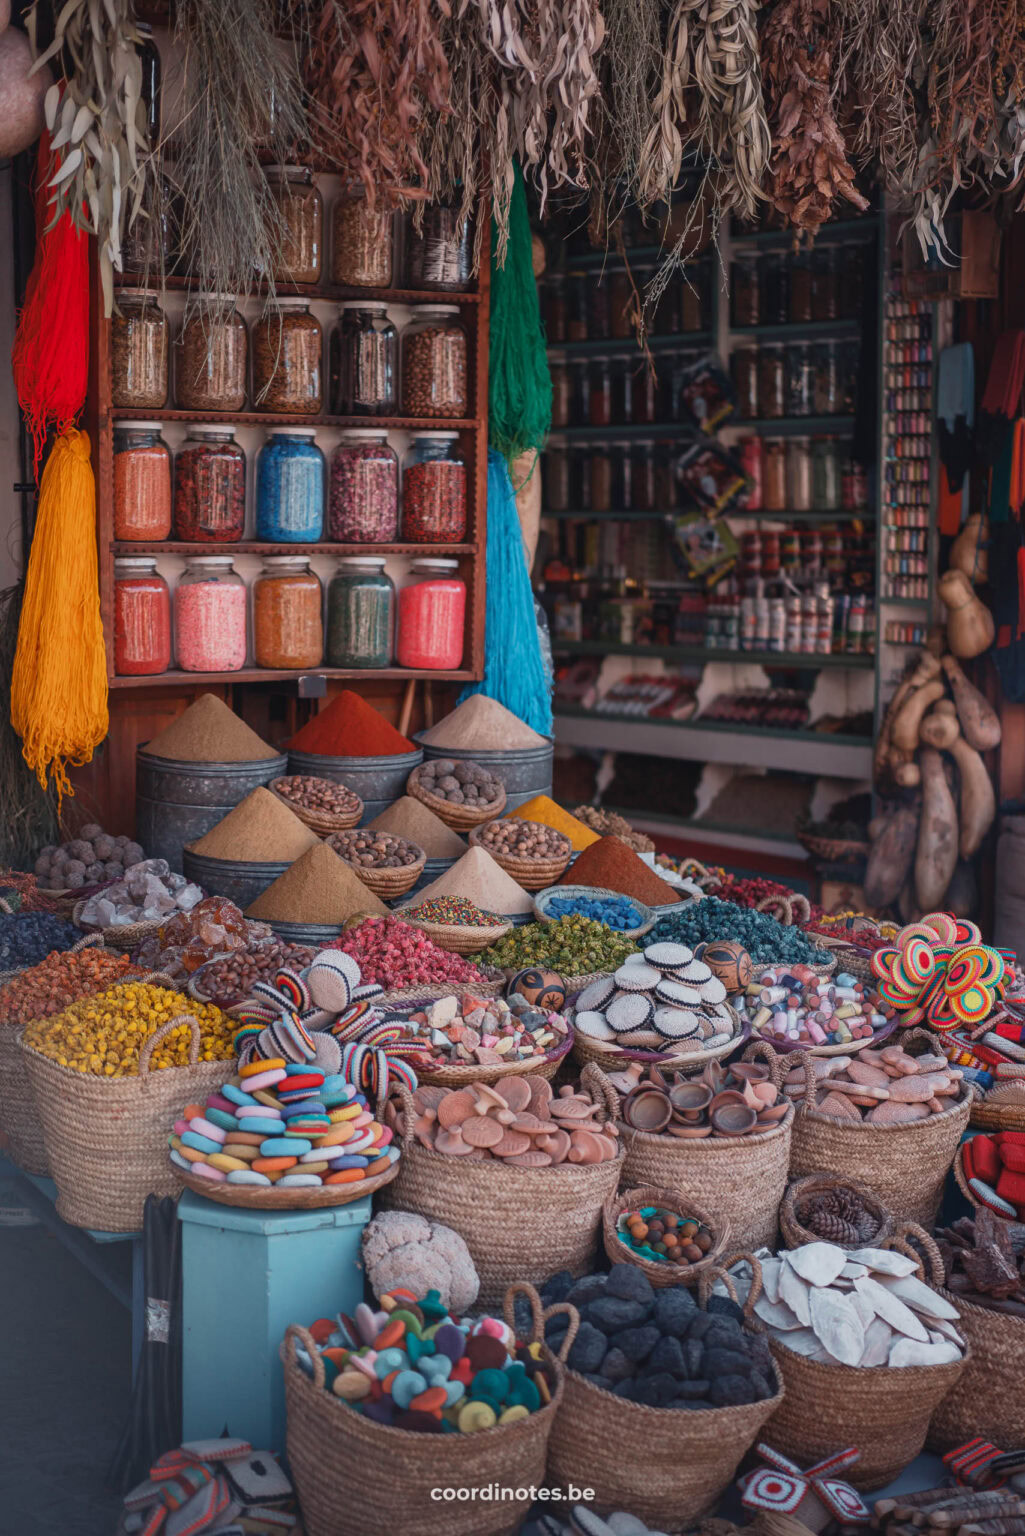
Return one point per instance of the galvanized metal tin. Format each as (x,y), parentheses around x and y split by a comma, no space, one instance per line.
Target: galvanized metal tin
(178,802)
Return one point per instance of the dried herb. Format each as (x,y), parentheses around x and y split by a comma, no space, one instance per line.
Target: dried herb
(731,127)
(661,155)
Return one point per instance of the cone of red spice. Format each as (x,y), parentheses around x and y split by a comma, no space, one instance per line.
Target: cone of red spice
(350,727)
(609,863)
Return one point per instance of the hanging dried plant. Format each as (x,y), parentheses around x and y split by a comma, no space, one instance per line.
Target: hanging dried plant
(661,156)
(458,147)
(878,56)
(97,119)
(809,165)
(731,128)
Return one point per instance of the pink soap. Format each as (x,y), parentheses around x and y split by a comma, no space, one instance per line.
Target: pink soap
(205,1171)
(218,1101)
(261,1111)
(205,1128)
(264,1080)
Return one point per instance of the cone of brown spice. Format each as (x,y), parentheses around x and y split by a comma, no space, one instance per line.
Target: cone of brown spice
(260,830)
(318,888)
(610,864)
(209,732)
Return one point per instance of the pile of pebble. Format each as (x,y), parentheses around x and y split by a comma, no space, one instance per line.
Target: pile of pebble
(573,946)
(460,783)
(616,912)
(286,1124)
(322,797)
(399,956)
(792,1008)
(487,1031)
(150,891)
(454,912)
(884,1087)
(509,837)
(663,1236)
(518,1120)
(412,1365)
(659,1347)
(26,938)
(658,999)
(766,941)
(364,848)
(88,859)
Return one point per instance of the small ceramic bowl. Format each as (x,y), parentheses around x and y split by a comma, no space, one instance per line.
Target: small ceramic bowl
(752,1071)
(646,1109)
(690,1100)
(734,1119)
(688,1132)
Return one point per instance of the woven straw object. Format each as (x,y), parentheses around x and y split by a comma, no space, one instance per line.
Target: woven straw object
(354,1475)
(461,818)
(489,984)
(665,1465)
(454,937)
(885,1412)
(277,1199)
(988,1399)
(741,1178)
(126,938)
(106,1137)
(1015,1228)
(318,821)
(842,1047)
(532,874)
(906,1165)
(586,1049)
(459,1076)
(516,1222)
(990,1114)
(544,899)
(662,1273)
(795,1235)
(389,883)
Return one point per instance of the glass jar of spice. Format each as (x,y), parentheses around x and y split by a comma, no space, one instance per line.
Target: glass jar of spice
(363,241)
(211,357)
(210,487)
(644,397)
(138,353)
(772,402)
(360,614)
(290,487)
(142,619)
(745,305)
(798,475)
(301,210)
(642,458)
(800,290)
(775,290)
(825,475)
(824,288)
(744,366)
(287,357)
(434,363)
(288,627)
(555,308)
(800,381)
(364,361)
(827,380)
(555,478)
(600,499)
(774,475)
(434,490)
(210,616)
(148,248)
(620,297)
(561,394)
(599,399)
(432,615)
(440,255)
(142,482)
(364,500)
(694,300)
(576,316)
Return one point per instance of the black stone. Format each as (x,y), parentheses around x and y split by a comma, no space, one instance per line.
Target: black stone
(762,1385)
(723,1306)
(637,1343)
(700,1324)
(657,1391)
(694,1389)
(727,1362)
(731,1391)
(612,1313)
(693,1357)
(674,1310)
(588,1350)
(616,1367)
(557,1288)
(668,1356)
(586,1289)
(631,1283)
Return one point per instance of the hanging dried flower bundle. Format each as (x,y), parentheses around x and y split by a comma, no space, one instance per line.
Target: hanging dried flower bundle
(97,121)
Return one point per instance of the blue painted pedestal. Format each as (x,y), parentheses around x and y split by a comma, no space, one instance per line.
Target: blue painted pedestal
(245,1276)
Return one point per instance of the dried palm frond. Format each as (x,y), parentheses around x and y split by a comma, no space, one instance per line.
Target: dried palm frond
(878,56)
(630,69)
(731,128)
(100,148)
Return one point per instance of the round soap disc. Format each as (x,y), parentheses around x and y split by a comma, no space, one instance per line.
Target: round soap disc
(677,994)
(667,956)
(596,995)
(629,1010)
(675,1022)
(695,973)
(636,976)
(713,991)
(593,1025)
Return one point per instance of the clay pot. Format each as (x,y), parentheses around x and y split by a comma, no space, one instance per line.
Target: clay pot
(690,1100)
(734,1119)
(750,1071)
(646,1109)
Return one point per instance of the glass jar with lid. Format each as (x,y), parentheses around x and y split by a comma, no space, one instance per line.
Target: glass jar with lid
(142,482)
(555,478)
(138,353)
(299,240)
(210,616)
(142,619)
(210,487)
(620,296)
(211,357)
(798,474)
(360,614)
(800,380)
(744,367)
(774,475)
(435,373)
(555,308)
(827,380)
(288,625)
(432,617)
(364,361)
(642,456)
(439,254)
(850,281)
(290,473)
(434,490)
(623,391)
(600,499)
(825,475)
(665,317)
(800,289)
(772,401)
(576,314)
(644,397)
(363,242)
(598,318)
(775,290)
(622,476)
(364,500)
(288,345)
(599,396)
(824,288)
(148,248)
(745,294)
(695,301)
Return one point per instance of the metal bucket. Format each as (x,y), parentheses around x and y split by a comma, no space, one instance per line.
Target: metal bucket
(525,771)
(240,882)
(316,935)
(377,780)
(178,802)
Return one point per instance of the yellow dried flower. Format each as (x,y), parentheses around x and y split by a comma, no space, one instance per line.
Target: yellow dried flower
(103,1035)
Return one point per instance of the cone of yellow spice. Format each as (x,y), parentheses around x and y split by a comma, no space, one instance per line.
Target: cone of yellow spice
(103,1035)
(544,809)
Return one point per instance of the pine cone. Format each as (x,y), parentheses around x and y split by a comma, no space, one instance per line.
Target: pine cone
(831,1228)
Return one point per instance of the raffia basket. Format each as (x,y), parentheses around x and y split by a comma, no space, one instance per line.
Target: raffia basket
(318,821)
(487,984)
(795,1235)
(666,1200)
(516,1222)
(544,899)
(664,1465)
(461,818)
(126,938)
(906,1165)
(275,1199)
(532,874)
(741,1178)
(382,1478)
(992,1114)
(106,1138)
(884,1412)
(459,1076)
(388,884)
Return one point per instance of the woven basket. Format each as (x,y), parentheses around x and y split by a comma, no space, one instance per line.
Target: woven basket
(842,1047)
(788,910)
(666,1200)
(1015,1228)
(884,1412)
(458,940)
(586,1049)
(388,884)
(795,1236)
(906,1165)
(106,1137)
(461,818)
(489,984)
(459,1076)
(126,938)
(988,1399)
(526,1222)
(664,1465)
(354,1475)
(988,1115)
(856,962)
(741,1178)
(276,1199)
(832,850)
(544,899)
(531,874)
(318,822)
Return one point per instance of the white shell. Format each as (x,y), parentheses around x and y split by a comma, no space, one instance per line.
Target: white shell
(891,1309)
(919,1296)
(911,1352)
(818,1263)
(806,1342)
(776,1315)
(838,1325)
(878,1343)
(943,1330)
(854,1271)
(883,1261)
(865,1310)
(794,1293)
(770,1277)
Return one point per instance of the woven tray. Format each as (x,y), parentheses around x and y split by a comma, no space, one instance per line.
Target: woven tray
(461,818)
(1015,1228)
(457,1077)
(849,1048)
(532,874)
(489,985)
(388,884)
(543,900)
(125,938)
(274,1199)
(316,821)
(988,1116)
(795,1236)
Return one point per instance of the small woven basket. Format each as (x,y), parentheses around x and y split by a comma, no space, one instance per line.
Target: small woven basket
(388,884)
(531,874)
(456,939)
(124,939)
(460,1076)
(1016,1229)
(544,899)
(488,984)
(663,1273)
(989,1114)
(318,821)
(607,1056)
(833,850)
(461,818)
(377,1475)
(795,1235)
(277,1199)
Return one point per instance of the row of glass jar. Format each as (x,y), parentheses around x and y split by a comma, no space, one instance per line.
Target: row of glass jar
(583,306)
(213,372)
(299,499)
(365,625)
(364,240)
(805,379)
(782,289)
